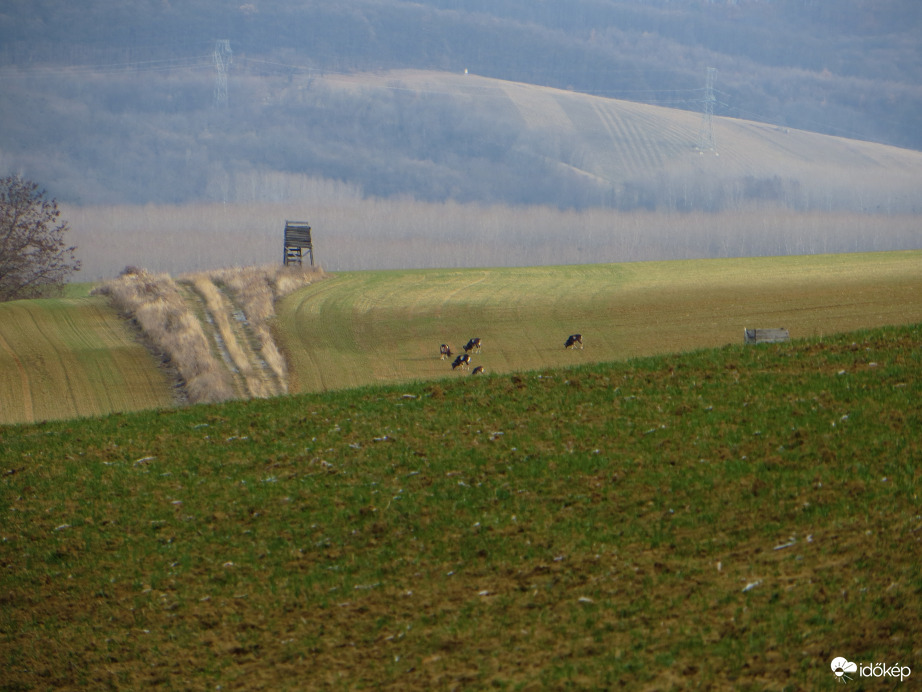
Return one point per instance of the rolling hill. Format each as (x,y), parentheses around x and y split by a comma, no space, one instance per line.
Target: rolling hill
(640,155)
(730,519)
(361,328)
(75,357)
(72,357)
(427,135)
(410,168)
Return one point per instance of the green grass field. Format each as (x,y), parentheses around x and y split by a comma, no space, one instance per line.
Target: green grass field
(727,519)
(72,357)
(68,357)
(365,327)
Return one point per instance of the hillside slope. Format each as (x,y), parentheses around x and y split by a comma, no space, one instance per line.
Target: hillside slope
(649,156)
(74,357)
(846,67)
(360,328)
(71,357)
(427,135)
(725,520)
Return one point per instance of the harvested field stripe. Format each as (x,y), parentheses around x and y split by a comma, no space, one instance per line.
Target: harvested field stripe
(63,371)
(621,145)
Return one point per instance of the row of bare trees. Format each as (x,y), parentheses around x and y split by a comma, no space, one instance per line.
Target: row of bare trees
(356,233)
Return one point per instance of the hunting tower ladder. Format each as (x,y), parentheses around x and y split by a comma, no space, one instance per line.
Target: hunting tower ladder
(297,238)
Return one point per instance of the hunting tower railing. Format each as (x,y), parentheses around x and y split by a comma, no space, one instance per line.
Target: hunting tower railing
(297,239)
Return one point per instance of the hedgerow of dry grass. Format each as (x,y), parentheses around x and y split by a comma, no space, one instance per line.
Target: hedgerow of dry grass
(154,302)
(256,289)
(219,309)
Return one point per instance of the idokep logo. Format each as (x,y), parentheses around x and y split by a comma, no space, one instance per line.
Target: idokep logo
(841,667)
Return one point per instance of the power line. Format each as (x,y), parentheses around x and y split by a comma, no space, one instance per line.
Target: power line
(165,65)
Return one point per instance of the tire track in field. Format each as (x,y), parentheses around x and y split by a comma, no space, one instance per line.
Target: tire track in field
(79,341)
(679,135)
(620,147)
(270,382)
(72,357)
(304,345)
(132,377)
(246,368)
(23,379)
(198,306)
(648,149)
(637,142)
(452,294)
(54,343)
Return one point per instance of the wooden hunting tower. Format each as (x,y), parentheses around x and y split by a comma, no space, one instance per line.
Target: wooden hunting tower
(297,238)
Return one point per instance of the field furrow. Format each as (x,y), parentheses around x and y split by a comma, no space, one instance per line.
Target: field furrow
(631,149)
(619,149)
(65,358)
(16,392)
(650,150)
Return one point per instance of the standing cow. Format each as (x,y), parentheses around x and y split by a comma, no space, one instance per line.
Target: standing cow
(444,352)
(462,361)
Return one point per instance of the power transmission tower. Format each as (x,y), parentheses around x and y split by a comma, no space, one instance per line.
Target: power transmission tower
(706,133)
(222,59)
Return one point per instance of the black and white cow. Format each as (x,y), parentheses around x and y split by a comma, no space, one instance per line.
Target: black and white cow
(574,341)
(478,370)
(444,352)
(472,345)
(462,362)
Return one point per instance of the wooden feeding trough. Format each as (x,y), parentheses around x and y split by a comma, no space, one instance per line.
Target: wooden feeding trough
(297,240)
(766,336)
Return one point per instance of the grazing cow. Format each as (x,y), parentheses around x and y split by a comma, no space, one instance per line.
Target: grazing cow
(461,362)
(444,351)
(574,341)
(472,345)
(478,370)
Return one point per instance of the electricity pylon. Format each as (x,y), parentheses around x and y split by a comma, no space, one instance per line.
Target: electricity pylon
(222,58)
(706,133)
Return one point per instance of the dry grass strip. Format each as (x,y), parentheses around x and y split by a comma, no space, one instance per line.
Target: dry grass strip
(154,302)
(256,289)
(242,358)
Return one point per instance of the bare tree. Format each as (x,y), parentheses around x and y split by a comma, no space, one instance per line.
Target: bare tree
(34,259)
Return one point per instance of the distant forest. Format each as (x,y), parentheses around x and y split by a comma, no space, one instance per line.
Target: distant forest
(111,101)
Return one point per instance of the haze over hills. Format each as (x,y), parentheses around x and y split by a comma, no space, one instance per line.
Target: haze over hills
(436,136)
(642,156)
(116,103)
